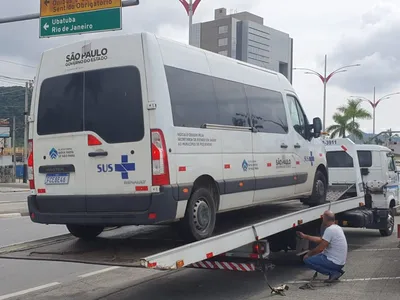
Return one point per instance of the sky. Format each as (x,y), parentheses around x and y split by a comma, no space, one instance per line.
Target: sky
(364,32)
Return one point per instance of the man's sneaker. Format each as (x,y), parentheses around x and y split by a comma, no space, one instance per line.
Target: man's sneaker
(334,276)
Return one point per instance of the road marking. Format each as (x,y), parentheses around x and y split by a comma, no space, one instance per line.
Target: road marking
(377,249)
(350,280)
(97,272)
(41,287)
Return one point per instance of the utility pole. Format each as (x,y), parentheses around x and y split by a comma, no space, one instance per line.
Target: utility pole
(25,153)
(14,154)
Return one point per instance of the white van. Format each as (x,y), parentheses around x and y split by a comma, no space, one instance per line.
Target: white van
(137,129)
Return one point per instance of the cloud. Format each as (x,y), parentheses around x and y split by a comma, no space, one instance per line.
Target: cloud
(375,45)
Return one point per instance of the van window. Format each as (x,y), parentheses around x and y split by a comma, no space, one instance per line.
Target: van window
(192,98)
(60,105)
(339,159)
(297,116)
(232,103)
(365,158)
(268,112)
(106,101)
(391,164)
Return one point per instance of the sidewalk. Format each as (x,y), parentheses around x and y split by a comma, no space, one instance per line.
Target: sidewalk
(13,187)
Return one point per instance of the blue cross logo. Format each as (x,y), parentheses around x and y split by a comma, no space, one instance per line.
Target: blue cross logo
(124,167)
(312,158)
(53,153)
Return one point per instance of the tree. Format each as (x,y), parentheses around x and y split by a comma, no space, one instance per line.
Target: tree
(342,127)
(354,111)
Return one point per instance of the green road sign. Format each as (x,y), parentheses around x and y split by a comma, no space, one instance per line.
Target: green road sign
(84,22)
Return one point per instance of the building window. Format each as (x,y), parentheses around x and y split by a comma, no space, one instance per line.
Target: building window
(223,52)
(222,42)
(223,29)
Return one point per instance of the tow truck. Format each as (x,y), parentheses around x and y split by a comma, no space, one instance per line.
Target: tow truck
(244,246)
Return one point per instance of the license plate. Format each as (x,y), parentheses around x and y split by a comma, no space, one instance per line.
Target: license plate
(59,178)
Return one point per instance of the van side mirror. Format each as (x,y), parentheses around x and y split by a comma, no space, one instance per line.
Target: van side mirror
(364,171)
(317,126)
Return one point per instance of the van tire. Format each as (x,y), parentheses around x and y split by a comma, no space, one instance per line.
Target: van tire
(200,216)
(85,232)
(319,192)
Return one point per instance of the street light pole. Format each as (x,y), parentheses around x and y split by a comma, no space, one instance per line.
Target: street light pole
(190,8)
(324,107)
(374,113)
(374,103)
(325,79)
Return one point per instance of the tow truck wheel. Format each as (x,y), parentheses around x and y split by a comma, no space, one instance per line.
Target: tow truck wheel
(319,191)
(85,232)
(200,216)
(390,225)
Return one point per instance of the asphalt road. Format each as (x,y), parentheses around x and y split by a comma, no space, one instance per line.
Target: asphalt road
(17,275)
(372,272)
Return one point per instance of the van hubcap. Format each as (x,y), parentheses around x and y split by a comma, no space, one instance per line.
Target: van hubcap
(320,188)
(201,215)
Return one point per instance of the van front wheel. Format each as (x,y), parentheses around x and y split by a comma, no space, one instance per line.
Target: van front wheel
(319,191)
(200,216)
(85,232)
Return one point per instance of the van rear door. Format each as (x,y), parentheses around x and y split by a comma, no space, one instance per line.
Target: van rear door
(117,153)
(59,159)
(118,156)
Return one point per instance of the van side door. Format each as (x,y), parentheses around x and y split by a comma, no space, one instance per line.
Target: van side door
(271,145)
(393,185)
(304,152)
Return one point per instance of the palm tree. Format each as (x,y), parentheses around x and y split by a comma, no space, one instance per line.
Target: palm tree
(354,111)
(341,127)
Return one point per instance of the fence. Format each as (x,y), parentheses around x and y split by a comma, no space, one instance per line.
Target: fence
(7,173)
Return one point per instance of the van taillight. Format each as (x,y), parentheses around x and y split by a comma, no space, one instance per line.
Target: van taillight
(159,158)
(31,176)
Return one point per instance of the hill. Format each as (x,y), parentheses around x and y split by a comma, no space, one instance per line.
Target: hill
(12,102)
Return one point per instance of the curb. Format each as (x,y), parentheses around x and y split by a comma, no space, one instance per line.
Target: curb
(13,215)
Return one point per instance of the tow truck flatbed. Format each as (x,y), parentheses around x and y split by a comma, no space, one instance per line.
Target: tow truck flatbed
(159,247)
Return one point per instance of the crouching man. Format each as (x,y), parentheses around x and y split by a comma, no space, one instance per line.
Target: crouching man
(329,257)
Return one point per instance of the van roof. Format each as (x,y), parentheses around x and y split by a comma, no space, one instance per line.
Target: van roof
(283,80)
(370,147)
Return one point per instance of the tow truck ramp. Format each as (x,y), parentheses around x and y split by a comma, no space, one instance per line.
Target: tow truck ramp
(155,247)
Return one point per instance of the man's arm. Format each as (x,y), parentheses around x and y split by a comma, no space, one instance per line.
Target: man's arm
(321,247)
(314,239)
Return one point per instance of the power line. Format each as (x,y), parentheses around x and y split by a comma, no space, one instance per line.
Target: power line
(15,63)
(15,78)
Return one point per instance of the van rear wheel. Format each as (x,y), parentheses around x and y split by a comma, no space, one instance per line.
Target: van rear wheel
(200,216)
(85,232)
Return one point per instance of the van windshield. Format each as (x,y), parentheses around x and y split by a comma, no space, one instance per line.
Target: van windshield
(106,101)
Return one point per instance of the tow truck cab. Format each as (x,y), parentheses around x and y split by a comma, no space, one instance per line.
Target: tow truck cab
(380,181)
